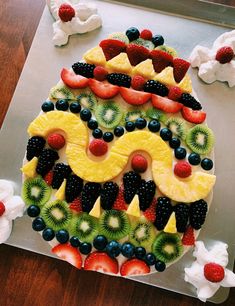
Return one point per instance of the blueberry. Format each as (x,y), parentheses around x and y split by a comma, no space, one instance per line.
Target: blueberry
(132,33)
(47,106)
(207,164)
(62,236)
(180,153)
(74,241)
(38,224)
(174,142)
(118,131)
(158,40)
(100,242)
(160,266)
(62,105)
(48,234)
(140,252)
(150,259)
(194,159)
(154,126)
(85,248)
(166,134)
(140,123)
(113,248)
(129,126)
(75,107)
(33,211)
(92,124)
(97,133)
(127,250)
(85,114)
(108,136)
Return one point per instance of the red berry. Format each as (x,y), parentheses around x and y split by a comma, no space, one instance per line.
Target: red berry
(134,267)
(188,237)
(214,272)
(2,208)
(182,169)
(137,82)
(174,93)
(146,34)
(98,147)
(136,54)
(150,213)
(68,253)
(112,47)
(48,178)
(66,12)
(99,261)
(76,205)
(180,67)
(56,141)
(103,90)
(224,55)
(120,203)
(100,73)
(139,163)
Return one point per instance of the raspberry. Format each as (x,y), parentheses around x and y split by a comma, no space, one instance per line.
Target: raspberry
(156,88)
(174,93)
(139,163)
(182,215)
(150,213)
(146,34)
(34,147)
(138,82)
(56,141)
(46,161)
(100,73)
(214,272)
(188,237)
(90,193)
(224,55)
(119,79)
(109,194)
(131,181)
(2,208)
(66,12)
(48,178)
(84,69)
(76,205)
(60,172)
(98,147)
(120,203)
(190,101)
(182,169)
(197,214)
(73,187)
(146,193)
(163,212)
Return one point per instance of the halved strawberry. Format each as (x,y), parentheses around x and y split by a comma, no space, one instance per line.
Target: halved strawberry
(103,90)
(134,267)
(194,116)
(150,213)
(134,97)
(76,205)
(180,67)
(161,59)
(68,253)
(112,47)
(188,237)
(136,54)
(99,261)
(73,80)
(120,203)
(166,104)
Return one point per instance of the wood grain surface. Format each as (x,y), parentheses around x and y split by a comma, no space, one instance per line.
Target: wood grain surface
(29,279)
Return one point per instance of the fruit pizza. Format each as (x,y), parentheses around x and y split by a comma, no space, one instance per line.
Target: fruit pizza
(118,171)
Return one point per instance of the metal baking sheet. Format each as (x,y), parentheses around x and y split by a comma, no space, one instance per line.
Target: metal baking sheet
(41,72)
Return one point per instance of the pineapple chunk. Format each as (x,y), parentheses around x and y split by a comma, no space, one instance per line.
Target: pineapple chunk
(29,169)
(96,210)
(171,225)
(166,77)
(145,69)
(186,84)
(95,56)
(60,193)
(134,207)
(120,63)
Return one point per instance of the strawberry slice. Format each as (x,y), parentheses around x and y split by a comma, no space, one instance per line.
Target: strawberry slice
(76,205)
(166,104)
(68,253)
(73,80)
(194,116)
(99,261)
(188,237)
(134,267)
(120,203)
(103,90)
(112,47)
(134,97)
(150,213)
(161,60)
(180,67)
(136,54)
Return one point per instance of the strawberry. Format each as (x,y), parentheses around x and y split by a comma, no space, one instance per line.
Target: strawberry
(194,116)
(150,213)
(136,54)
(98,147)
(146,34)
(137,82)
(68,253)
(100,73)
(180,67)
(166,104)
(66,12)
(134,97)
(214,272)
(73,80)
(134,267)
(120,203)
(112,47)
(76,205)
(174,93)
(103,90)
(2,208)
(56,141)
(99,261)
(182,169)
(161,59)
(188,237)
(224,55)
(139,163)
(48,178)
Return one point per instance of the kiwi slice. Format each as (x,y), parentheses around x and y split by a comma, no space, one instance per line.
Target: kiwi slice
(114,224)
(87,100)
(167,49)
(119,36)
(134,114)
(35,191)
(177,126)
(108,114)
(61,92)
(56,214)
(84,226)
(143,42)
(156,114)
(200,139)
(167,247)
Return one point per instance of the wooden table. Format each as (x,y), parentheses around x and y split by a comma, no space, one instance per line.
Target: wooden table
(27,278)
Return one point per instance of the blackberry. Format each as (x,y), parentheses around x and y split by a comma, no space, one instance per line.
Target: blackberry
(46,161)
(60,172)
(190,101)
(73,187)
(119,79)
(163,212)
(90,193)
(146,193)
(131,181)
(109,194)
(35,146)
(156,88)
(182,215)
(197,214)
(84,69)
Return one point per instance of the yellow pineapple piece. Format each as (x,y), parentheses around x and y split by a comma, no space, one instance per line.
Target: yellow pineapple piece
(120,63)
(186,84)
(60,193)
(95,56)
(166,77)
(134,207)
(96,210)
(29,169)
(171,225)
(145,69)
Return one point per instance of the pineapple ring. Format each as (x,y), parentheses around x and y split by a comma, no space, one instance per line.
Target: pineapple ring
(193,188)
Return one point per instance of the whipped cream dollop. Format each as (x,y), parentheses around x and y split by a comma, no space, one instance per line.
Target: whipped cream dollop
(11,207)
(210,69)
(217,256)
(86,19)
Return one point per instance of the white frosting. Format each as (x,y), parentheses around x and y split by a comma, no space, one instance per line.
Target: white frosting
(14,207)
(211,70)
(195,274)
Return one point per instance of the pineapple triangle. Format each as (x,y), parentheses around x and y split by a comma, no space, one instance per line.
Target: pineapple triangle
(120,63)
(95,56)
(145,69)
(186,84)
(134,207)
(96,210)
(171,225)
(29,169)
(60,193)
(166,77)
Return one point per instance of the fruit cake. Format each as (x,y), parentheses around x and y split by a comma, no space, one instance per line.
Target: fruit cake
(118,170)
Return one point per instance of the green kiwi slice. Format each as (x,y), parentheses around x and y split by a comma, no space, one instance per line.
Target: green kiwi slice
(177,126)
(156,114)
(84,226)
(108,114)
(132,115)
(87,100)
(167,49)
(56,214)
(35,191)
(61,92)
(200,139)
(114,224)
(143,42)
(119,36)
(167,247)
